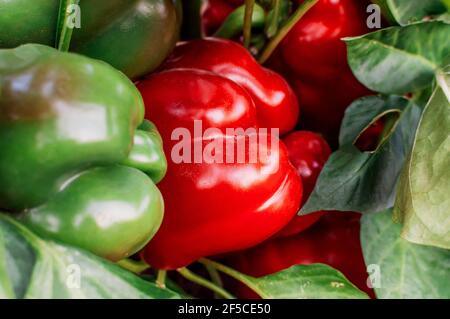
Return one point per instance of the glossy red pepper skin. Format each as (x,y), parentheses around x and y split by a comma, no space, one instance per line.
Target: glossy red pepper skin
(308,152)
(334,241)
(176,98)
(315,62)
(276,103)
(214,208)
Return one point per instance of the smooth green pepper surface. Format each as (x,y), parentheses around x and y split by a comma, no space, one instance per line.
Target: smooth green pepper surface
(134,36)
(97,211)
(68,131)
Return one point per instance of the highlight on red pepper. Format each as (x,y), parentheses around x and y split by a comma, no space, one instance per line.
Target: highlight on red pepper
(276,104)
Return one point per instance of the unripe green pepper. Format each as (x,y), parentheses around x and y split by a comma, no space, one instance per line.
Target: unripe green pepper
(68,127)
(111,210)
(147,153)
(133,36)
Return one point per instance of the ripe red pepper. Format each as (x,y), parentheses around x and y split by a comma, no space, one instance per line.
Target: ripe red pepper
(276,104)
(214,208)
(334,241)
(313,58)
(308,152)
(315,62)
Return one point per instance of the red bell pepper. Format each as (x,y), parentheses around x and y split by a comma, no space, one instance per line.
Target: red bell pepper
(308,152)
(218,207)
(276,104)
(334,241)
(315,62)
(313,58)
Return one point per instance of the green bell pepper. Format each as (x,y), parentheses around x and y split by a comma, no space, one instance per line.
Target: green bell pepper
(75,165)
(133,36)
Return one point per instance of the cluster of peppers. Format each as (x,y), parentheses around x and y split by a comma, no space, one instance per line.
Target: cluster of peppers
(79,163)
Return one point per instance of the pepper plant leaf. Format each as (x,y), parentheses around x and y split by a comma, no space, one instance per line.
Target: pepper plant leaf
(400,269)
(352,180)
(33,268)
(315,281)
(423,201)
(400,60)
(406,12)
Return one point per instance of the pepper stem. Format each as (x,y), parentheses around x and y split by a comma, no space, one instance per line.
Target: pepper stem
(189,275)
(215,276)
(134,266)
(272,26)
(161,278)
(298,14)
(64,29)
(249,5)
(233,274)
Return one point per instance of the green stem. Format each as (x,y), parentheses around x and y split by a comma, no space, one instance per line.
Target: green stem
(233,274)
(249,4)
(272,27)
(189,275)
(226,270)
(161,278)
(234,23)
(64,31)
(214,275)
(298,14)
(134,266)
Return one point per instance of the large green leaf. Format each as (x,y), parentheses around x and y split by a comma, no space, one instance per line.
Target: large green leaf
(315,281)
(365,181)
(399,60)
(33,268)
(423,199)
(406,270)
(405,12)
